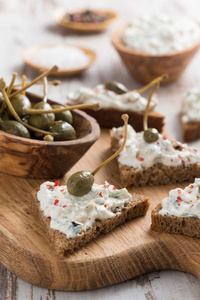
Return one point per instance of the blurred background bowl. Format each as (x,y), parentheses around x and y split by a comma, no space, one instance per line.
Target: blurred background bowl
(33,158)
(145,67)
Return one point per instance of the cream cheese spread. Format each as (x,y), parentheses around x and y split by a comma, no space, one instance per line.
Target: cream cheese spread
(131,101)
(73,215)
(139,154)
(191,106)
(183,203)
(161,33)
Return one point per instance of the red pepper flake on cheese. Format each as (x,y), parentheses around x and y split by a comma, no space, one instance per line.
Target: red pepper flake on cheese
(140,158)
(100,194)
(179,199)
(56,202)
(57,183)
(179,191)
(114,188)
(164,137)
(121,136)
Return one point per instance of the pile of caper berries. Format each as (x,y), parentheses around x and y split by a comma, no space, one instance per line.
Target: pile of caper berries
(42,121)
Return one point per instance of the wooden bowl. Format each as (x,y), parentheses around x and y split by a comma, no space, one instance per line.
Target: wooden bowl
(59,17)
(145,67)
(40,159)
(30,52)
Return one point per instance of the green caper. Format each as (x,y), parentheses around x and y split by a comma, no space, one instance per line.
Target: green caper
(64,131)
(6,116)
(116,87)
(150,135)
(19,103)
(80,183)
(15,128)
(65,116)
(41,121)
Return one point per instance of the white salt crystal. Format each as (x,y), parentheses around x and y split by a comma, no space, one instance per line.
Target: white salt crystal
(65,57)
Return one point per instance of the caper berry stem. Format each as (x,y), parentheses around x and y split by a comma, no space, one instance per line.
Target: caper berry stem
(31,111)
(15,115)
(53,69)
(23,83)
(45,85)
(53,82)
(145,119)
(156,80)
(14,76)
(125,119)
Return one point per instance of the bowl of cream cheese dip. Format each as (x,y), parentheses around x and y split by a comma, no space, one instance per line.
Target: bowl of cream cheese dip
(155,44)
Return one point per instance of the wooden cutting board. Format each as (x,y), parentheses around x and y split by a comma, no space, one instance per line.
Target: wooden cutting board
(130,250)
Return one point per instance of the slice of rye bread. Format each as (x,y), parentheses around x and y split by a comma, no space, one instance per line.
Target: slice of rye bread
(110,117)
(191,131)
(170,224)
(157,174)
(137,207)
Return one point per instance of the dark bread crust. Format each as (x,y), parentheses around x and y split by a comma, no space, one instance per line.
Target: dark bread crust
(136,208)
(170,224)
(191,131)
(111,117)
(157,174)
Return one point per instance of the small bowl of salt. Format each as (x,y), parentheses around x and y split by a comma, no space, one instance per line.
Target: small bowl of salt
(70,59)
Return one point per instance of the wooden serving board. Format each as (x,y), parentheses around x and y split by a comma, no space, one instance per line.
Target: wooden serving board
(130,250)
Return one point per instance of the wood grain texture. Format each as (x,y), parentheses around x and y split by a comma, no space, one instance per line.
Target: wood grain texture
(27,23)
(31,158)
(128,251)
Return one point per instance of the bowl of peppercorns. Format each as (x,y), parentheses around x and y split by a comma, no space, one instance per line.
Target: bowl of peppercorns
(85,20)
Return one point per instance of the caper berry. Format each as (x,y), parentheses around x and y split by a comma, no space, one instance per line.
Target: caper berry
(150,135)
(64,115)
(64,131)
(80,183)
(19,103)
(15,128)
(116,87)
(41,121)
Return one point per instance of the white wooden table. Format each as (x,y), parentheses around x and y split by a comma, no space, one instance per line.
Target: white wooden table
(26,23)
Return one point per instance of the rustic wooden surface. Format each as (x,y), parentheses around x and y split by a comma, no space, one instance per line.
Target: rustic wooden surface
(138,250)
(26,23)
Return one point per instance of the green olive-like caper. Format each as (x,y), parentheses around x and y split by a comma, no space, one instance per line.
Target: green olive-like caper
(80,183)
(19,103)
(116,87)
(41,121)
(150,135)
(5,116)
(15,128)
(65,116)
(64,131)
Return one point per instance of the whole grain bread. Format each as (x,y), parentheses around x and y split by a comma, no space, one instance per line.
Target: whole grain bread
(137,207)
(191,131)
(170,224)
(111,117)
(157,174)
